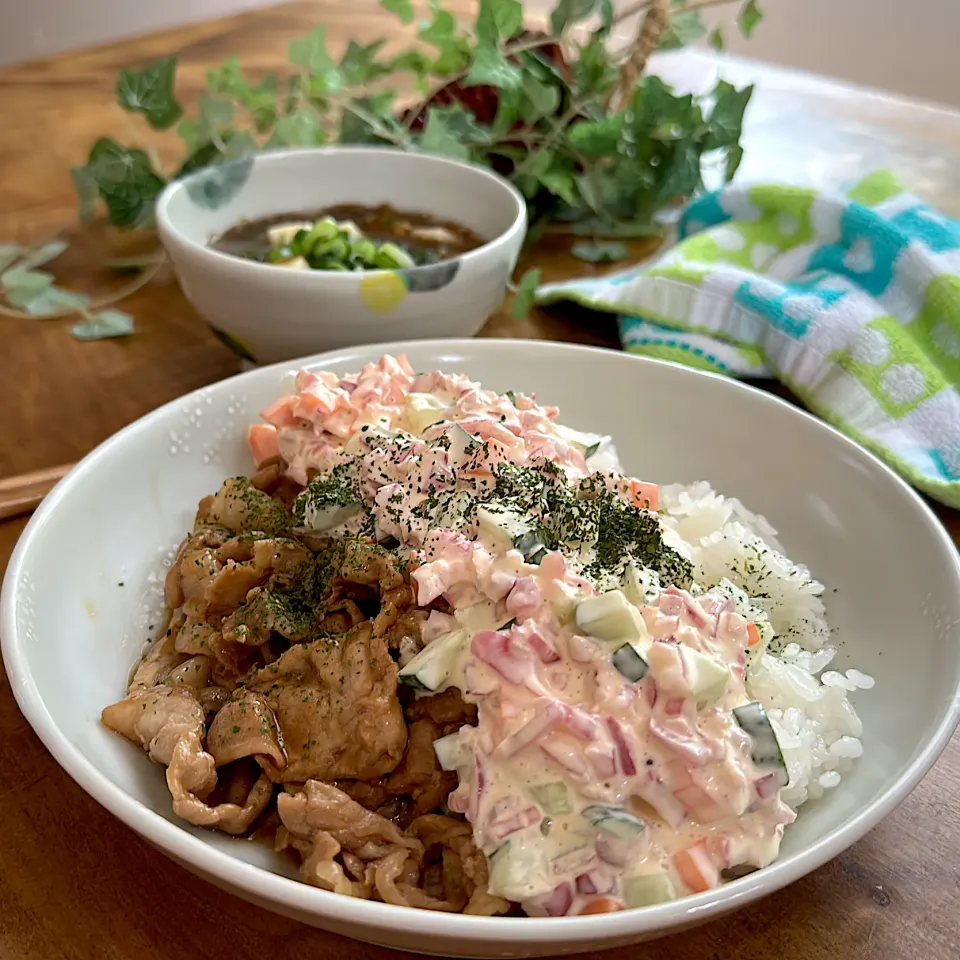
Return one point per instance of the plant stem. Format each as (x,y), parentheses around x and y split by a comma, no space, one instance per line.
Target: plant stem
(573,111)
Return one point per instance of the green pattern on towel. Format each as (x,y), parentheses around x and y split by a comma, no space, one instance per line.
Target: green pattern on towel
(853,301)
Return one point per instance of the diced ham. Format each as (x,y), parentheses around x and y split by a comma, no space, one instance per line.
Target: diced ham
(494,648)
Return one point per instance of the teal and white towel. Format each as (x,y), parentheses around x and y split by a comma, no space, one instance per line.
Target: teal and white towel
(852,301)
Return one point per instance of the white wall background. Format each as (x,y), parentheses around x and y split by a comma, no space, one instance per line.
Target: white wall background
(908,46)
(37,28)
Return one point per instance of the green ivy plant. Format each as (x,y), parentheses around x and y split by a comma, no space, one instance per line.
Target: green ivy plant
(26,291)
(596,153)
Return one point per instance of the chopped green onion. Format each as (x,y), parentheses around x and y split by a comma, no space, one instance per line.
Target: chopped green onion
(392,257)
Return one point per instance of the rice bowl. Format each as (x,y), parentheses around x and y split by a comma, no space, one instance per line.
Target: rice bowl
(819,735)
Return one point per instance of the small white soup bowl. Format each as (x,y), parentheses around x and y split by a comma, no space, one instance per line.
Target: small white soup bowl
(266,314)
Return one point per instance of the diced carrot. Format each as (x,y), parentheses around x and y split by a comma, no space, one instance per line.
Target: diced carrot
(280,412)
(262,439)
(645,495)
(602,905)
(753,635)
(318,402)
(718,848)
(695,868)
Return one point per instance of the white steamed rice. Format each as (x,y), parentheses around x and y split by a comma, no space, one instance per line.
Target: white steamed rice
(816,725)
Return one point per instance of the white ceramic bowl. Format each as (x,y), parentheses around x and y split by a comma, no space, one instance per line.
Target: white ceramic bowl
(265,313)
(70,633)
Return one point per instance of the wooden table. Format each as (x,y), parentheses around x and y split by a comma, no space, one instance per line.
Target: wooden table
(74,882)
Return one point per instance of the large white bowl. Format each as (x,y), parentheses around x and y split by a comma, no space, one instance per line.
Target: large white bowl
(266,313)
(71,631)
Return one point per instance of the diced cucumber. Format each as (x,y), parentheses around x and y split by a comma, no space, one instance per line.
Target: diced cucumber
(502,528)
(630,663)
(369,436)
(615,820)
(461,443)
(450,752)
(639,585)
(611,617)
(647,889)
(765,753)
(532,547)
(554,798)
(708,679)
(519,871)
(587,443)
(479,616)
(422,410)
(430,669)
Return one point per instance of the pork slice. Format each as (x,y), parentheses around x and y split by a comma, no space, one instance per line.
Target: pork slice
(335,700)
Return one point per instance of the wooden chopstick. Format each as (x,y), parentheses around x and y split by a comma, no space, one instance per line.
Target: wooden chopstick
(23,493)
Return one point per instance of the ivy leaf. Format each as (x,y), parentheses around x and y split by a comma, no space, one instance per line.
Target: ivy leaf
(441,33)
(726,118)
(228,80)
(749,17)
(238,146)
(310,52)
(42,254)
(54,301)
(402,8)
(490,67)
(21,286)
(606,17)
(658,111)
(593,71)
(412,61)
(126,182)
(440,29)
(356,128)
(498,20)
(568,12)
(437,137)
(301,128)
(684,28)
(359,63)
(716,39)
(150,92)
(734,156)
(561,184)
(192,133)
(596,138)
(214,114)
(600,252)
(9,253)
(106,323)
(205,155)
(682,174)
(260,100)
(523,296)
(538,100)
